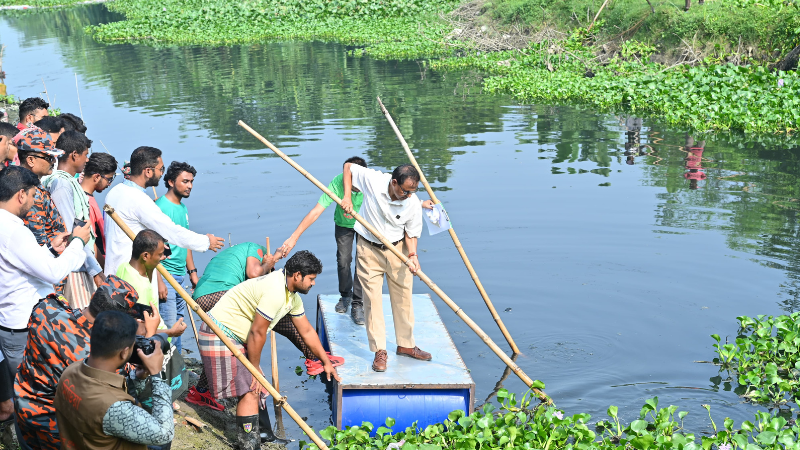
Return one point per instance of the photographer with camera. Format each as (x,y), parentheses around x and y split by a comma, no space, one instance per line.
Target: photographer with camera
(58,337)
(93,407)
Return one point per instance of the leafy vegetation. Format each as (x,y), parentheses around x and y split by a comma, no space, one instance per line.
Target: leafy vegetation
(765,358)
(412,26)
(708,97)
(516,425)
(40,3)
(715,95)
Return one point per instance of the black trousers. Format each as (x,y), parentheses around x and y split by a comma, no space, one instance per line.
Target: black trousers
(349,286)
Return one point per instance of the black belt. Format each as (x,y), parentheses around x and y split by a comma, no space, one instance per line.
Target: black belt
(10,330)
(378,244)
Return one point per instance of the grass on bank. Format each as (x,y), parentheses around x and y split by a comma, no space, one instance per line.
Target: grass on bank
(703,68)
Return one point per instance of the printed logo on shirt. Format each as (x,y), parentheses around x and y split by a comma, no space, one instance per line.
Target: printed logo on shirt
(72,398)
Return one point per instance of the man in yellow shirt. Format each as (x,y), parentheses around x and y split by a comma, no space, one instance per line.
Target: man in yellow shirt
(246,313)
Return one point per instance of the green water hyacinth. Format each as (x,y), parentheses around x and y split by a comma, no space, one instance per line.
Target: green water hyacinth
(518,425)
(765,358)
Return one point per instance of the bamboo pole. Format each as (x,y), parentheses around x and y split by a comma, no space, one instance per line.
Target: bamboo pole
(453,235)
(194,328)
(459,312)
(598,14)
(225,339)
(273,346)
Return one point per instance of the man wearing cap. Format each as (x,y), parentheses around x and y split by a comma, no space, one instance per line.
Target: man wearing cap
(37,152)
(27,271)
(393,209)
(58,337)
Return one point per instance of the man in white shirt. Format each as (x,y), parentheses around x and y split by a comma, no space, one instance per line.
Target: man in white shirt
(27,270)
(139,212)
(392,207)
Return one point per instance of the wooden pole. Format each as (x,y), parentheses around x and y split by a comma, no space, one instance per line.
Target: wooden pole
(459,312)
(273,345)
(155,194)
(194,328)
(453,235)
(225,339)
(601,10)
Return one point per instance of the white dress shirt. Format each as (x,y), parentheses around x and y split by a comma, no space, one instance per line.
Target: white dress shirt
(28,271)
(139,212)
(390,217)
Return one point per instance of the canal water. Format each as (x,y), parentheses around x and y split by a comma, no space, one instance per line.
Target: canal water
(612,246)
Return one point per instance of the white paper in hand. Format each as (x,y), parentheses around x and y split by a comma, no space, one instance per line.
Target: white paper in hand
(436,219)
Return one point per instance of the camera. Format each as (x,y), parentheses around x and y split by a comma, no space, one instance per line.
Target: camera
(148,346)
(138,310)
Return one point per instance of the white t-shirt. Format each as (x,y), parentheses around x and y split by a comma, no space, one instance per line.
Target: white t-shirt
(389,217)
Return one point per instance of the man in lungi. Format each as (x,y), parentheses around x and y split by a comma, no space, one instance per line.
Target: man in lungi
(246,313)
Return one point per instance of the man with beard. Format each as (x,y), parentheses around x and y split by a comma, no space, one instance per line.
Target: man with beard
(178,180)
(246,313)
(31,110)
(27,270)
(139,212)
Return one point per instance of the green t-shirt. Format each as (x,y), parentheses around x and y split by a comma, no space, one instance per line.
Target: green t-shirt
(175,264)
(146,290)
(337,187)
(227,269)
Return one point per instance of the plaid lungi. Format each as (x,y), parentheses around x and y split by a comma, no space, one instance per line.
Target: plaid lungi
(228,376)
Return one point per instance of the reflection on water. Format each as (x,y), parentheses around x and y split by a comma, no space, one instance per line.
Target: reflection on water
(614,245)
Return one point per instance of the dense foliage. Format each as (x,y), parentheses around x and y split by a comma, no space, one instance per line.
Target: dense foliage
(721,27)
(765,357)
(708,97)
(411,23)
(518,426)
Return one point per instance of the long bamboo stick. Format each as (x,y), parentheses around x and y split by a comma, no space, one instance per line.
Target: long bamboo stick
(225,339)
(273,346)
(459,312)
(453,235)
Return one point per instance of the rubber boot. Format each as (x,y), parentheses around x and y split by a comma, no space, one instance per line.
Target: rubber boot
(247,433)
(266,429)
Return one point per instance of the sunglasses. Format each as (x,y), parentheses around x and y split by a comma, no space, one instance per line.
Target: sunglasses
(113,176)
(49,158)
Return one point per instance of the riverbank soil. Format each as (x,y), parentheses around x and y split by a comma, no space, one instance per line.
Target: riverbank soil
(217,429)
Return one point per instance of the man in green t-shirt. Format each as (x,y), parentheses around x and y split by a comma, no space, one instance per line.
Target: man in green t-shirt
(349,286)
(179,180)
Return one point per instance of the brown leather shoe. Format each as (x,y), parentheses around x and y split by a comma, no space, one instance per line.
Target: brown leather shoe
(379,363)
(415,353)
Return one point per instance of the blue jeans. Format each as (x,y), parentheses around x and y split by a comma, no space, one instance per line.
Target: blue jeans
(174,308)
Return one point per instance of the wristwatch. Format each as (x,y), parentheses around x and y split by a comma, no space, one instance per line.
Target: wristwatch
(189,272)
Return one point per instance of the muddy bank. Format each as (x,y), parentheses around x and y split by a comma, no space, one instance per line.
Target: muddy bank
(218,427)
